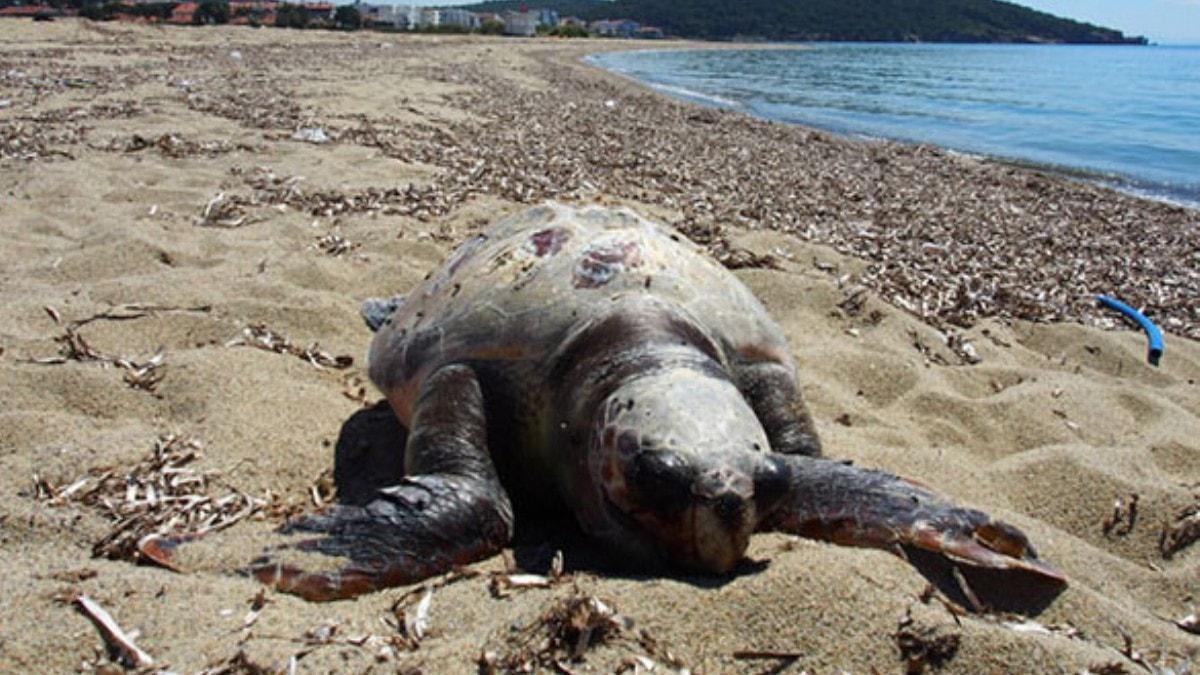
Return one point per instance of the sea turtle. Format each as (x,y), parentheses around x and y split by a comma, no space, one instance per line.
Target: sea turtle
(592,355)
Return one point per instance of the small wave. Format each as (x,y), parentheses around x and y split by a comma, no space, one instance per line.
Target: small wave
(695,95)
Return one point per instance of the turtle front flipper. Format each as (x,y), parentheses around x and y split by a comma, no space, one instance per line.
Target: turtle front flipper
(846,505)
(770,388)
(450,509)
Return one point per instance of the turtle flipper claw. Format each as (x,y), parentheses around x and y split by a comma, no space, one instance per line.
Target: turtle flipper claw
(858,507)
(427,525)
(974,538)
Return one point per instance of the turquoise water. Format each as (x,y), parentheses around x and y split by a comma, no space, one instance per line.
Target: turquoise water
(1129,116)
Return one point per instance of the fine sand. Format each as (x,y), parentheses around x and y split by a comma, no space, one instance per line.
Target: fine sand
(149,177)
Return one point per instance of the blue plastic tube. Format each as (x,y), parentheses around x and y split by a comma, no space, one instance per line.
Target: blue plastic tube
(1153,336)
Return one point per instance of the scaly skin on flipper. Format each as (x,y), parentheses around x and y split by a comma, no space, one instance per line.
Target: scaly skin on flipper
(849,506)
(770,388)
(449,511)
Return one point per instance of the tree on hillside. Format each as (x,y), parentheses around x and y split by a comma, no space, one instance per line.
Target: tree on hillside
(348,17)
(211,12)
(291,16)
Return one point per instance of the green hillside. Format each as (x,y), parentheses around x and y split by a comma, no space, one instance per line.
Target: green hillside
(884,20)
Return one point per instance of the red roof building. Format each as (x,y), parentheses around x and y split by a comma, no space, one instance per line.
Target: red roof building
(26,11)
(184,13)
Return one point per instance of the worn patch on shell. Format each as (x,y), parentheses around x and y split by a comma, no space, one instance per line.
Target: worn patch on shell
(601,262)
(548,241)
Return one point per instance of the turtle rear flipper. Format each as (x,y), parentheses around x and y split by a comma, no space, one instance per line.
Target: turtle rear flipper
(846,505)
(450,511)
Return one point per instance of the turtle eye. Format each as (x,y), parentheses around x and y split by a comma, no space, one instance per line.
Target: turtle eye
(772,480)
(660,480)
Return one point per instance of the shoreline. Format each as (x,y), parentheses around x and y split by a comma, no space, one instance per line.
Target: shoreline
(185,258)
(1129,185)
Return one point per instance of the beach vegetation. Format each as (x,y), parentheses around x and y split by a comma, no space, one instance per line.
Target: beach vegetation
(492,27)
(211,12)
(569,31)
(291,16)
(106,11)
(347,17)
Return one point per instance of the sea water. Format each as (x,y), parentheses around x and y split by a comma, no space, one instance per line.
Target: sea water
(1125,115)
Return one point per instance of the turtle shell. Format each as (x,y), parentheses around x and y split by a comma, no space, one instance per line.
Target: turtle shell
(515,294)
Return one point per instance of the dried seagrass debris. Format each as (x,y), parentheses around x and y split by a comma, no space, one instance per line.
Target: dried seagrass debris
(257,603)
(1190,623)
(1022,624)
(254,97)
(1182,533)
(1152,660)
(334,245)
(328,634)
(323,490)
(160,496)
(120,645)
(31,142)
(504,584)
(423,202)
(922,647)
(410,612)
(221,211)
(416,621)
(742,258)
(1124,515)
(144,375)
(261,337)
(177,147)
(563,633)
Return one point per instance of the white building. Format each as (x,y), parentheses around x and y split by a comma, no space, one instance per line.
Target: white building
(395,16)
(459,18)
(520,23)
(400,16)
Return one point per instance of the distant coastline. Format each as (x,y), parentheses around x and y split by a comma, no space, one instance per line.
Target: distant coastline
(955,21)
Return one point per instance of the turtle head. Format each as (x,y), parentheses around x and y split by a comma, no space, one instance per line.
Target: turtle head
(681,466)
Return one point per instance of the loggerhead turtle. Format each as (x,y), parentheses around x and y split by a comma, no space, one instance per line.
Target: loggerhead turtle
(589,354)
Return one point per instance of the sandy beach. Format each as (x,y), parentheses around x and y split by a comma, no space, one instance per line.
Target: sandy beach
(192,218)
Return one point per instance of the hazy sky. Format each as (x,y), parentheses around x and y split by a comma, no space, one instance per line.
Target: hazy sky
(1159,20)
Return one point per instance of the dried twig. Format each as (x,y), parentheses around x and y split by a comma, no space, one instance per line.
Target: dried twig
(119,643)
(144,375)
(261,337)
(416,622)
(1190,623)
(1182,533)
(1123,512)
